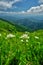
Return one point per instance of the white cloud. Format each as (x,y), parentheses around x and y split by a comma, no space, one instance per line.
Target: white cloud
(22,12)
(4,5)
(32,10)
(40,1)
(36,9)
(7,4)
(3,12)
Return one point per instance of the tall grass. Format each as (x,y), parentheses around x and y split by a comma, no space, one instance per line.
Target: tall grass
(13,51)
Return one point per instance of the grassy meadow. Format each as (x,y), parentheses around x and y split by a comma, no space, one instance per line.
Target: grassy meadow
(20,48)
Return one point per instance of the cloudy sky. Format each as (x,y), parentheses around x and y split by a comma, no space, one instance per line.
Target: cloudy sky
(21,6)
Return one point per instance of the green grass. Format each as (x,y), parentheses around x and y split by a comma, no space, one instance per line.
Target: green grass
(13,51)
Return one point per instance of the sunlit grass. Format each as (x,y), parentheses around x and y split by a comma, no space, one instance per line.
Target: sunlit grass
(20,48)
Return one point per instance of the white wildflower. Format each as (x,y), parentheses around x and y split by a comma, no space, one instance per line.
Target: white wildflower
(0,34)
(21,40)
(24,36)
(26,40)
(10,36)
(36,37)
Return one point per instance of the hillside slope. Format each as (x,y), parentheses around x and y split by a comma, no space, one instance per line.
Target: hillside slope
(20,48)
(12,26)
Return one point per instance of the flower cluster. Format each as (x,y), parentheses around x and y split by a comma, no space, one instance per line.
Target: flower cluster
(10,36)
(24,37)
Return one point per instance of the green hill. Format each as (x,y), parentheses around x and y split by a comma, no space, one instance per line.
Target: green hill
(18,47)
(10,26)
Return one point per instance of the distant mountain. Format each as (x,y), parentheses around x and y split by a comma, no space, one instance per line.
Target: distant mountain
(31,24)
(18,17)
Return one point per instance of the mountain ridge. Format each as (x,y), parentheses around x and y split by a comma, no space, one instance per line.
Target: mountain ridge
(17,27)
(27,24)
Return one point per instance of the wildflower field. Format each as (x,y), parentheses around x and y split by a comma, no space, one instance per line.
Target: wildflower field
(20,48)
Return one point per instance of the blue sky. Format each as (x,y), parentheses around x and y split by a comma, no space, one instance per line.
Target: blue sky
(21,6)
